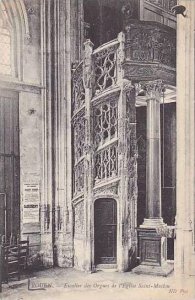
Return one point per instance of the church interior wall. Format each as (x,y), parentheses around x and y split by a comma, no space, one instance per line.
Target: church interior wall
(27,85)
(31,120)
(45,103)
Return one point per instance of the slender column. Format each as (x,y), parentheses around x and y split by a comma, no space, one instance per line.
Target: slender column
(88,172)
(47,92)
(153,163)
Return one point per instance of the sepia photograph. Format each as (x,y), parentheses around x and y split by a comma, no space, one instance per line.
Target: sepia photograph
(97,149)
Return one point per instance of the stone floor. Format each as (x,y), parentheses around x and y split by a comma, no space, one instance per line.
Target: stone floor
(59,283)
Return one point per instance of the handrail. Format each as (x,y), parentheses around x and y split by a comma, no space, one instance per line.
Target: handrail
(77,67)
(79,161)
(106,45)
(107,144)
(79,110)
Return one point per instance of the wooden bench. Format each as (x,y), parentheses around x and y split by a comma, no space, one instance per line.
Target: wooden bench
(11,265)
(23,254)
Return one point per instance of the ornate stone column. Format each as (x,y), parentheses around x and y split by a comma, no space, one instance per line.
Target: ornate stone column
(153,163)
(151,234)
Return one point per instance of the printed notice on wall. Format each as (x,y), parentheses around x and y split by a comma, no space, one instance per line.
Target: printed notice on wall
(31,198)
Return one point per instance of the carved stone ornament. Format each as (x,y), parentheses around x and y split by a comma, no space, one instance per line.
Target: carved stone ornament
(166,231)
(138,88)
(87,148)
(138,70)
(153,89)
(106,190)
(127,85)
(105,67)
(88,64)
(77,200)
(121,49)
(151,43)
(79,218)
(78,90)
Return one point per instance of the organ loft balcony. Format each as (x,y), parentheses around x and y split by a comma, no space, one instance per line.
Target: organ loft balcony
(145,51)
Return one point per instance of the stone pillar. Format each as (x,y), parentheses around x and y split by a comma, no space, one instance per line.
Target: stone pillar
(153,244)
(63,251)
(153,163)
(77,29)
(47,97)
(88,171)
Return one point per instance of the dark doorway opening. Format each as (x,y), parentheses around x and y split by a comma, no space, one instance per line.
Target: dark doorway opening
(105,231)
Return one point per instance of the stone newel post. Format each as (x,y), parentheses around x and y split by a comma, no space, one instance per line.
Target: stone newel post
(88,170)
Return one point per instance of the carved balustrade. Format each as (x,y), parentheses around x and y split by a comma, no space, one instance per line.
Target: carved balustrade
(105,66)
(106,163)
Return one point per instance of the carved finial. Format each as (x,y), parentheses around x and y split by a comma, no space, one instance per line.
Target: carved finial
(127,84)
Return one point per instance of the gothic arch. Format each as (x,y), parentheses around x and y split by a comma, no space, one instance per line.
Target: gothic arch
(15,15)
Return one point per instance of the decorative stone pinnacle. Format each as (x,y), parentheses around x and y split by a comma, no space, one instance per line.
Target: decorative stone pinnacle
(121,37)
(88,43)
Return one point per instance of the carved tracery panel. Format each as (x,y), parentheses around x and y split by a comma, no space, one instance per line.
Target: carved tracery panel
(105,68)
(79,219)
(105,122)
(79,136)
(78,177)
(78,152)
(78,91)
(106,163)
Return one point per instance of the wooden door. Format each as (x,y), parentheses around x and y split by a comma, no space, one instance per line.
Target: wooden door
(105,231)
(9,163)
(2,214)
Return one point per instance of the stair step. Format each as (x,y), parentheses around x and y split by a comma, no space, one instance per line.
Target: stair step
(106,266)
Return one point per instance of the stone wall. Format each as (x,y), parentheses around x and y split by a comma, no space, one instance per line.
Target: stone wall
(30,120)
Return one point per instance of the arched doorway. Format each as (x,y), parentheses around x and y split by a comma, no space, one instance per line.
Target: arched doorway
(105,231)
